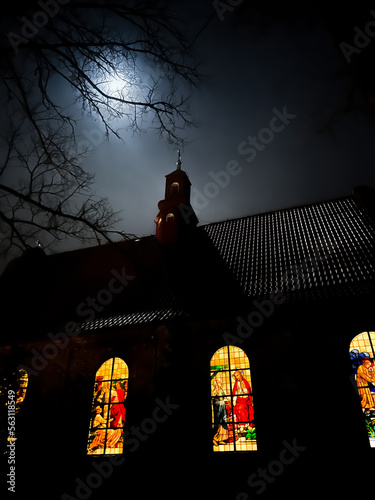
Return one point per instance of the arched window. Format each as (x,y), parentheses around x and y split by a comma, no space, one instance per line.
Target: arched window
(22,383)
(233,427)
(108,408)
(175,188)
(169,217)
(362,356)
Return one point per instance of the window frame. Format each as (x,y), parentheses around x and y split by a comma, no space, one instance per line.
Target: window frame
(362,353)
(232,446)
(108,405)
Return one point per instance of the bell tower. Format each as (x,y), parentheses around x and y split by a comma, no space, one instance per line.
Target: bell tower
(176,217)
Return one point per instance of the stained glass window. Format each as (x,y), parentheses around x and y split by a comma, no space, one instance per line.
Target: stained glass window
(15,384)
(233,427)
(108,408)
(12,395)
(21,386)
(362,356)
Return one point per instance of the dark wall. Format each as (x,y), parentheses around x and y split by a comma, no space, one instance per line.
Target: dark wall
(304,399)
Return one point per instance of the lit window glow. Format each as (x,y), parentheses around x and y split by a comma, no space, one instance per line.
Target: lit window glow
(233,427)
(22,382)
(17,383)
(175,188)
(108,408)
(362,356)
(12,392)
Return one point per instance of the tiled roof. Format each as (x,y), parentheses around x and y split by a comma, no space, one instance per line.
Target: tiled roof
(136,318)
(315,251)
(323,250)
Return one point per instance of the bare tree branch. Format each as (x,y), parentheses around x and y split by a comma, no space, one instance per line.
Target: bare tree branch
(44,189)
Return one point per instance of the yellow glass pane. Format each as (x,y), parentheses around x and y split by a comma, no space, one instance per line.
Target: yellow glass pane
(108,408)
(232,411)
(362,356)
(22,383)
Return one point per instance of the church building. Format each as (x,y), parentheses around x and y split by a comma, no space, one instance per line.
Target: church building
(225,360)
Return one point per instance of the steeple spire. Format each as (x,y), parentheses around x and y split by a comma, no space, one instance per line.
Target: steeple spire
(178,162)
(176,217)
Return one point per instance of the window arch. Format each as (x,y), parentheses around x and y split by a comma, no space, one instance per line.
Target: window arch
(22,383)
(169,217)
(108,408)
(175,188)
(362,355)
(233,427)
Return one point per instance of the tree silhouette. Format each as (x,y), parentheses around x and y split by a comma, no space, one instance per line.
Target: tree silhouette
(45,193)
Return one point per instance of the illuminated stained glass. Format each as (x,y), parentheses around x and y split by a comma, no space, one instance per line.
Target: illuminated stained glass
(21,386)
(108,408)
(16,383)
(233,427)
(12,395)
(362,356)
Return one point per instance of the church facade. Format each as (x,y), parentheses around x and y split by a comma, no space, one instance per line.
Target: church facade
(227,360)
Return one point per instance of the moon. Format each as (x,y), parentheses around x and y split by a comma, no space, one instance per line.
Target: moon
(114,84)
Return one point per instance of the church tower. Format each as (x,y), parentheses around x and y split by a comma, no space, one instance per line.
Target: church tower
(176,216)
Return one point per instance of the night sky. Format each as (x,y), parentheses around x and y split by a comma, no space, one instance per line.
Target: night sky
(320,154)
(255,72)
